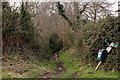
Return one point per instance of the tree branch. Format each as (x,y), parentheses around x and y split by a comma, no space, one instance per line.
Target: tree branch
(61,12)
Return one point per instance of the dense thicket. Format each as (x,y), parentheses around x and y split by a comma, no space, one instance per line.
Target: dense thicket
(92,37)
(18,31)
(55,43)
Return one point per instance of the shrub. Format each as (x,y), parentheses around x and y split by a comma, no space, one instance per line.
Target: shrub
(91,38)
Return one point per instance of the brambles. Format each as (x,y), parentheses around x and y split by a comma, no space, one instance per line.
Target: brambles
(91,39)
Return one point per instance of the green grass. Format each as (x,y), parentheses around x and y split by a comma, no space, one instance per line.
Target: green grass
(0,74)
(49,64)
(40,68)
(91,73)
(70,63)
(73,65)
(36,70)
(5,74)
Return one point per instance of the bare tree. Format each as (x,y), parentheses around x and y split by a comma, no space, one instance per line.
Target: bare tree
(96,10)
(77,11)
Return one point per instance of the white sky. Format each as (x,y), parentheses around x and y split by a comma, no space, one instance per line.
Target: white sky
(113,7)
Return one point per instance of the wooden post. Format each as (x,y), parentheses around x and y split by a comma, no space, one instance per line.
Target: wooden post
(98,65)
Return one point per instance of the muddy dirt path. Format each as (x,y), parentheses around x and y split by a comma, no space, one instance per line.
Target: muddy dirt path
(59,70)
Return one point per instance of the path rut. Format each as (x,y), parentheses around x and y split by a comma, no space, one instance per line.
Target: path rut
(59,70)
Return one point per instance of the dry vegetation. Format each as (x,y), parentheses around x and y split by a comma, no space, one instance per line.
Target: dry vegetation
(35,31)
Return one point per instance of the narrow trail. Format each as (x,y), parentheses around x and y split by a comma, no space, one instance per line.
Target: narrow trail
(59,70)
